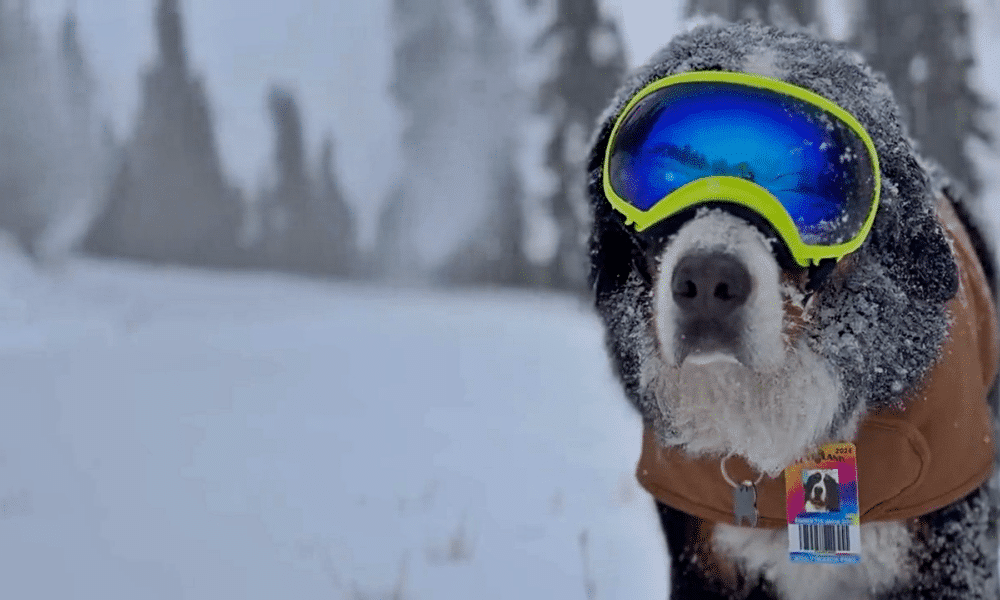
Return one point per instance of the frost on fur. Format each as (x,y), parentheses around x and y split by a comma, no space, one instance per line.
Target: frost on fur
(771,419)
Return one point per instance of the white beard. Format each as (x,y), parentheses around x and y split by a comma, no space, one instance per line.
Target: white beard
(771,419)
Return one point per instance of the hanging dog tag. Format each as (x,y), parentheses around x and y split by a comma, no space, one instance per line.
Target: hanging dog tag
(822,503)
(745,503)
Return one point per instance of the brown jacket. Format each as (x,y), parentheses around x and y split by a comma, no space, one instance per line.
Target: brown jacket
(933,451)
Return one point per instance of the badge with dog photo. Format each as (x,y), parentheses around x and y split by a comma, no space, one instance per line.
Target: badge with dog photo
(822,501)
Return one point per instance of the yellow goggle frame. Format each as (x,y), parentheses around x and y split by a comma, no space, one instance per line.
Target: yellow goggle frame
(742,191)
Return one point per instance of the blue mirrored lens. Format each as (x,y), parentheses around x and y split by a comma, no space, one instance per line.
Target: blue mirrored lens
(811,161)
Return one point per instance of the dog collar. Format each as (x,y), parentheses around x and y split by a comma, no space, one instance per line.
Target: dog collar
(911,461)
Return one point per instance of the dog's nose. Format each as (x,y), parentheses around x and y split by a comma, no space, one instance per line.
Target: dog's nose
(710,285)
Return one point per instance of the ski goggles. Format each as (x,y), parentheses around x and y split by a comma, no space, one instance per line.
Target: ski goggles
(797,159)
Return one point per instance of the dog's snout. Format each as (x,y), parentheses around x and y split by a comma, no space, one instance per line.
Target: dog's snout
(710,286)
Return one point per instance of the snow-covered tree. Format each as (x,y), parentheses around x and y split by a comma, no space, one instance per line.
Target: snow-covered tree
(79,80)
(589,66)
(305,220)
(89,152)
(286,206)
(334,215)
(170,202)
(50,152)
(774,12)
(925,49)
(449,217)
(495,252)
(29,127)
(306,224)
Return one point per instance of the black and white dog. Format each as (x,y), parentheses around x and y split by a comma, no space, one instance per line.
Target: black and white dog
(822,491)
(794,368)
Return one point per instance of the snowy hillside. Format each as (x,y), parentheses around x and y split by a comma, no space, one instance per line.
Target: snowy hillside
(174,434)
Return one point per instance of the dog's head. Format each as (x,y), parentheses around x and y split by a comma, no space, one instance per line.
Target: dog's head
(821,492)
(815,492)
(715,336)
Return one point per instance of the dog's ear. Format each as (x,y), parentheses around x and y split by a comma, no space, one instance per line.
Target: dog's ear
(907,237)
(614,254)
(833,495)
(615,261)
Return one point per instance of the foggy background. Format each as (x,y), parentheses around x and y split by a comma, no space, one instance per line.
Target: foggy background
(293,294)
(414,142)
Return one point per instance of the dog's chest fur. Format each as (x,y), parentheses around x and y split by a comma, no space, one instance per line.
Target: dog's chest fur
(884,562)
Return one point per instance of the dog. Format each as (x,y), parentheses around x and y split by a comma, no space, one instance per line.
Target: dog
(730,350)
(822,492)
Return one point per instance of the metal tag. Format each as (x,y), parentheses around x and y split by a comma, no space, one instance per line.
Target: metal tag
(745,503)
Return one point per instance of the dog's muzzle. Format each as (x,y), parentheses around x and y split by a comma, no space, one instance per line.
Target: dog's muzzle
(709,289)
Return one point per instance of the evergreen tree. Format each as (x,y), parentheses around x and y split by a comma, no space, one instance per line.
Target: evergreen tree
(288,243)
(589,67)
(170,202)
(335,216)
(30,128)
(388,259)
(454,85)
(925,50)
(79,81)
(307,223)
(86,153)
(495,252)
(774,12)
(293,186)
(424,45)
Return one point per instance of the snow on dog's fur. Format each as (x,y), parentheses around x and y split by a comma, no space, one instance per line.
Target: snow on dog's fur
(775,399)
(797,373)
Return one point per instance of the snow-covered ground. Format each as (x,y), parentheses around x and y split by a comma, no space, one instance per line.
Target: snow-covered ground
(178,434)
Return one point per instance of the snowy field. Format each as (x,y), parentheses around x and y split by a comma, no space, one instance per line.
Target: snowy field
(179,434)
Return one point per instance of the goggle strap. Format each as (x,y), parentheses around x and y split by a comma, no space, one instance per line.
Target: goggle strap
(819,272)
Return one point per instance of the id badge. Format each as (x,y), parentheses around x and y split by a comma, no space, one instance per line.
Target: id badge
(822,503)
